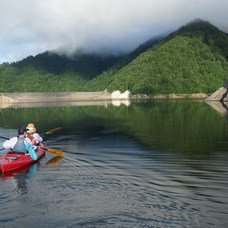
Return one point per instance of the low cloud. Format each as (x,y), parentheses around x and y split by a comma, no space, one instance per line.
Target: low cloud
(30,27)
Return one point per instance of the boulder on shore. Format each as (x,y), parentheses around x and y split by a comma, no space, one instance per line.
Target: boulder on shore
(220,95)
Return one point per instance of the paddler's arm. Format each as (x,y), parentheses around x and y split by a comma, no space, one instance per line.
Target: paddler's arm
(10,143)
(37,138)
(30,142)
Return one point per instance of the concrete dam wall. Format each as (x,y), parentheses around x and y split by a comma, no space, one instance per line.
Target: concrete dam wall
(6,98)
(52,96)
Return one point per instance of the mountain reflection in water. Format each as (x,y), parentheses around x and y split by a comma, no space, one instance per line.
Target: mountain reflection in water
(149,164)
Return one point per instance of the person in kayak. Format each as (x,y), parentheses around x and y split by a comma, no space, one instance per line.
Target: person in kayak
(21,144)
(35,138)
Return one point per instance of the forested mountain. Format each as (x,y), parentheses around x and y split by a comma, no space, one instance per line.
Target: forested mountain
(81,64)
(53,72)
(192,59)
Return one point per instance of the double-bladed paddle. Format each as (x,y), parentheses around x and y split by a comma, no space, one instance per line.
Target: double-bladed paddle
(47,132)
(53,151)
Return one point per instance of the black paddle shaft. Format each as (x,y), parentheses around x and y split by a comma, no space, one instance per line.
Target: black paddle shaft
(4,138)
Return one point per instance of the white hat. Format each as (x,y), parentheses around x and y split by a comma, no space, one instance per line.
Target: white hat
(31,128)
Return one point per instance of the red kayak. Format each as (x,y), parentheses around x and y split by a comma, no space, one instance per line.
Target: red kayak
(11,161)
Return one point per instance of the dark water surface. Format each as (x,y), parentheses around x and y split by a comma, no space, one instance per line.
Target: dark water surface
(150,164)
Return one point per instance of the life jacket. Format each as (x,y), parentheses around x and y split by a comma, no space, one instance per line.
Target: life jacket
(20,145)
(30,136)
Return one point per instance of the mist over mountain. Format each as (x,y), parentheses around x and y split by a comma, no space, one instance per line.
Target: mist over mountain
(191,59)
(113,26)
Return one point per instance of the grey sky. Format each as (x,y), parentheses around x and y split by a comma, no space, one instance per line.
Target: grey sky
(29,27)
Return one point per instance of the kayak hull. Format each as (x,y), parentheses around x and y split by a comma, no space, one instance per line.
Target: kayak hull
(11,161)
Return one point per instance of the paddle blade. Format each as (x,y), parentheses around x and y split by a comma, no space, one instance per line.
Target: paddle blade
(55,151)
(55,129)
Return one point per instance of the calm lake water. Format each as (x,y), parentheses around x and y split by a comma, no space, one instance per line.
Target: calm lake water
(144,164)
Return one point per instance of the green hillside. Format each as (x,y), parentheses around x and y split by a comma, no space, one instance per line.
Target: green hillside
(53,72)
(102,81)
(192,59)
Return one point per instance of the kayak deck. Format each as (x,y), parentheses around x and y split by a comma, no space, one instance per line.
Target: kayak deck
(10,161)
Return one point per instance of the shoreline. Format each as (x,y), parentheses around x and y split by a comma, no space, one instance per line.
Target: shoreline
(174,96)
(42,99)
(87,96)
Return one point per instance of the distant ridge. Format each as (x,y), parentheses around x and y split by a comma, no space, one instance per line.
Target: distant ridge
(82,64)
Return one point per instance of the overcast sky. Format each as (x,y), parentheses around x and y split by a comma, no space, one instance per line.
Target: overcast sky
(29,27)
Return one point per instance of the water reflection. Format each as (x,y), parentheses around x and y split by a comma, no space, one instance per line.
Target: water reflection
(20,176)
(150,164)
(218,106)
(105,103)
(120,102)
(54,160)
(184,127)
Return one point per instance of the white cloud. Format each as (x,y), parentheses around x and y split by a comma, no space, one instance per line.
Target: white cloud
(29,27)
